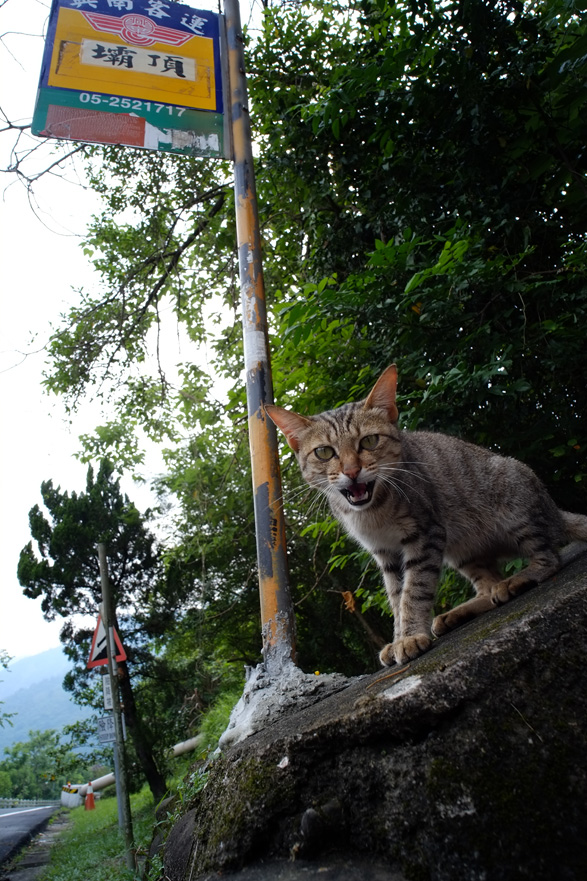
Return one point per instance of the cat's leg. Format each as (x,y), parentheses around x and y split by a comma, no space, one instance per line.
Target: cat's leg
(412,604)
(543,562)
(393,572)
(483,576)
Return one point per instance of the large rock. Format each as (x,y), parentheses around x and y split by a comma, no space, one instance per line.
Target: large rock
(470,763)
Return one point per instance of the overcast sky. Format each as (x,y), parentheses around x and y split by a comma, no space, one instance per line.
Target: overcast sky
(41,265)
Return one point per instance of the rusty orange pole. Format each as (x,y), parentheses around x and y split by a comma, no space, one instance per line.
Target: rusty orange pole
(276,606)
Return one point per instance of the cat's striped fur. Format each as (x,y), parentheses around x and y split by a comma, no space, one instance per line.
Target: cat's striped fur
(416,500)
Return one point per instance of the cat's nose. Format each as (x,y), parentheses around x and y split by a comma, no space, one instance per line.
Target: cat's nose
(351,471)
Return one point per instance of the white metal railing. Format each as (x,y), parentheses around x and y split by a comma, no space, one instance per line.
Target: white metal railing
(27,802)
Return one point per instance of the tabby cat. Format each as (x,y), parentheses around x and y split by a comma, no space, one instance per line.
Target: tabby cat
(417,500)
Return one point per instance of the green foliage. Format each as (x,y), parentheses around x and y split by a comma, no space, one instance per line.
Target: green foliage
(39,767)
(64,569)
(215,721)
(156,210)
(187,788)
(453,590)
(440,183)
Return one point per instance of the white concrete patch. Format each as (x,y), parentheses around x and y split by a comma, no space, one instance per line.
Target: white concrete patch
(267,695)
(402,687)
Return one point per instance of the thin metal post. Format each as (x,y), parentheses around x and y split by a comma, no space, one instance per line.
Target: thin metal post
(124,819)
(276,605)
(118,787)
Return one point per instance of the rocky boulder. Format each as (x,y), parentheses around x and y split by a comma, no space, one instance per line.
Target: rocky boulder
(468,764)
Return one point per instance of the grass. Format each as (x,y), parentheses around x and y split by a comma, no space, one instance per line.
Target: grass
(216,719)
(92,848)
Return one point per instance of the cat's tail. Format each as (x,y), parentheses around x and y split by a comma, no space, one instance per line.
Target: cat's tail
(575,526)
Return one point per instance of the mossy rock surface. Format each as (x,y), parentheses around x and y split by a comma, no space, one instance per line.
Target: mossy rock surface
(471,763)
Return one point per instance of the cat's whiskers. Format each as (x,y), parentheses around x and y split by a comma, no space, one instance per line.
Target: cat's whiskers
(319,504)
(322,484)
(318,500)
(395,480)
(323,488)
(389,473)
(394,484)
(384,466)
(295,493)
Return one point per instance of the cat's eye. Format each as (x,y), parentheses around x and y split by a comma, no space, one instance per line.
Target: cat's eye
(369,442)
(324,453)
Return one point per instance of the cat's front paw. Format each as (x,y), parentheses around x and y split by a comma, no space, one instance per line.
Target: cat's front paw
(461,614)
(442,624)
(404,650)
(512,587)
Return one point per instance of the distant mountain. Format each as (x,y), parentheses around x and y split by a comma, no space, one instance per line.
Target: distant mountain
(32,670)
(33,689)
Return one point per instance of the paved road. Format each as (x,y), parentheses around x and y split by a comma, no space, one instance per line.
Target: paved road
(19,825)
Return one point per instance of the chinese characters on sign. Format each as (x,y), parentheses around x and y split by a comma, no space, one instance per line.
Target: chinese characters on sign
(106,731)
(146,73)
(152,8)
(138,59)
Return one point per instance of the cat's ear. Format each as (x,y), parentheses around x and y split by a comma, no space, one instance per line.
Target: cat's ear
(383,393)
(290,423)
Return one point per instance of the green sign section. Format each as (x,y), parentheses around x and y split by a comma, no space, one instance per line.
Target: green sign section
(64,113)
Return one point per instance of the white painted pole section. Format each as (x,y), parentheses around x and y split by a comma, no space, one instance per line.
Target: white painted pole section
(180,748)
(99,783)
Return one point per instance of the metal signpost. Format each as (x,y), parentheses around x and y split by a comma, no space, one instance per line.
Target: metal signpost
(161,75)
(276,605)
(114,723)
(106,651)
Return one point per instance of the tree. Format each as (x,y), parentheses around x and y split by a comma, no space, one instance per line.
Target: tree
(39,767)
(64,571)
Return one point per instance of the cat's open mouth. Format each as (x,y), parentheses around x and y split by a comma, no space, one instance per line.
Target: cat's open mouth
(358,494)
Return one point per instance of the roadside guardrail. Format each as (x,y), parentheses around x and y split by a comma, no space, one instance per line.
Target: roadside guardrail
(27,802)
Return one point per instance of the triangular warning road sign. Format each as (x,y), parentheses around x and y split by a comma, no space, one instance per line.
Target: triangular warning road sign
(98,652)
